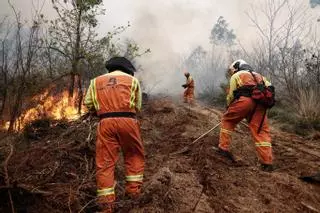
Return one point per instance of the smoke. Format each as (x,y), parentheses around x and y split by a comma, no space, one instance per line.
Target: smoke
(172,30)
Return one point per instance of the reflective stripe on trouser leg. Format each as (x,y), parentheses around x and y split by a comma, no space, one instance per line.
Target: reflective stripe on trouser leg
(264,150)
(106,198)
(262,139)
(237,110)
(105,191)
(133,185)
(263,144)
(225,139)
(190,95)
(136,178)
(107,154)
(133,150)
(185,96)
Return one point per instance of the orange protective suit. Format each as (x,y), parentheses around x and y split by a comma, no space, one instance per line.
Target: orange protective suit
(116,97)
(246,107)
(188,94)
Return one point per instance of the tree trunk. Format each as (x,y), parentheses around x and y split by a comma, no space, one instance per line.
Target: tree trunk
(13,116)
(4,69)
(3,104)
(80,93)
(71,86)
(17,105)
(4,100)
(76,59)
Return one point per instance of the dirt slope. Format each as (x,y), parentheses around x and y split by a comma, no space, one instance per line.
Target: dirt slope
(54,170)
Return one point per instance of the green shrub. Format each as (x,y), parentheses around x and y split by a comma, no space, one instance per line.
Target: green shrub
(282,114)
(290,121)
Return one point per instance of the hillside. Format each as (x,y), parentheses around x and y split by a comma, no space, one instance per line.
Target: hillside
(51,167)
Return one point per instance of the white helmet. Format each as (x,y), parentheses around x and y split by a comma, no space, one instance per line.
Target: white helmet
(239,65)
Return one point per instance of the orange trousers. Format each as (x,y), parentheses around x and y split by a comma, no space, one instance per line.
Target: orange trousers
(188,95)
(245,107)
(114,134)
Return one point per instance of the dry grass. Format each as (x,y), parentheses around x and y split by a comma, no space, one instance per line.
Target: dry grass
(301,115)
(308,104)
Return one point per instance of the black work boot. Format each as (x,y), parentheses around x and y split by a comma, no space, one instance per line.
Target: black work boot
(267,167)
(226,154)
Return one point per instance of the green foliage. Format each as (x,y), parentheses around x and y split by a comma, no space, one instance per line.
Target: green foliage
(307,104)
(280,113)
(80,4)
(73,33)
(40,52)
(288,120)
(209,66)
(196,57)
(221,34)
(133,50)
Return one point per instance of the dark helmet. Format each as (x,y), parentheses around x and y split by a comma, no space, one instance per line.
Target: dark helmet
(120,63)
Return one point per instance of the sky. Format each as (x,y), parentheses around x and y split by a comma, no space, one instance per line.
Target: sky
(170,28)
(186,23)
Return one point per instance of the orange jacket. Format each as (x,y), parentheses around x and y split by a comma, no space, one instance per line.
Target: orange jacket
(190,82)
(243,78)
(114,92)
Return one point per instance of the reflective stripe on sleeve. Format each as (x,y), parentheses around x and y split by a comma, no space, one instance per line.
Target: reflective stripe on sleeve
(134,178)
(239,81)
(94,94)
(88,98)
(139,102)
(133,93)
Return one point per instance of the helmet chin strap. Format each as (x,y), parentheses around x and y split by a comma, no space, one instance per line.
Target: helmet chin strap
(232,71)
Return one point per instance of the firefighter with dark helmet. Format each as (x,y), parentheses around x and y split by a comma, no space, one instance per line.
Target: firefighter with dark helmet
(116,97)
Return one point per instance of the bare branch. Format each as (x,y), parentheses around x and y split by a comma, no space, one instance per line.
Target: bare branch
(7,179)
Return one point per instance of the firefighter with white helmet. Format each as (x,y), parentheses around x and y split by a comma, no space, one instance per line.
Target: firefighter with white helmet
(241,104)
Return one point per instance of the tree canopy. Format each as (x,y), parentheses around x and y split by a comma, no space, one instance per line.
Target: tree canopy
(221,33)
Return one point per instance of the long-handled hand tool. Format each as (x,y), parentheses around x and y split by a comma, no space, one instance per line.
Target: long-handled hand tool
(187,148)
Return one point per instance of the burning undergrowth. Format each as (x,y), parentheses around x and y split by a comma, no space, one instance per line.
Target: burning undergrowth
(52,163)
(51,168)
(54,102)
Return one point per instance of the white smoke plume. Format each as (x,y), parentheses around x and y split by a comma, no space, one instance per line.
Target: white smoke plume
(173,28)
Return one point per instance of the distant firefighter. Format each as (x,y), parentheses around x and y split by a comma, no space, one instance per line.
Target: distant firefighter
(189,89)
(249,97)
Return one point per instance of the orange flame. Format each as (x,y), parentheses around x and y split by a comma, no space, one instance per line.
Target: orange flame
(56,107)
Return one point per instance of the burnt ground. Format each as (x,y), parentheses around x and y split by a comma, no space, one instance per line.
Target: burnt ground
(51,168)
